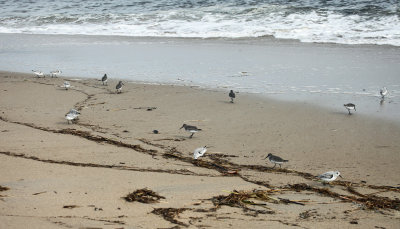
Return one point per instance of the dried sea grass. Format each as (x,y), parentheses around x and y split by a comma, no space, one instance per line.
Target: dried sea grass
(371,202)
(2,188)
(170,214)
(242,199)
(144,195)
(70,206)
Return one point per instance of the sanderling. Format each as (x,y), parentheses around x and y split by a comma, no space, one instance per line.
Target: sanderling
(191,129)
(72,115)
(276,160)
(232,95)
(383,92)
(67,85)
(329,176)
(349,107)
(104,79)
(199,152)
(55,73)
(38,73)
(119,86)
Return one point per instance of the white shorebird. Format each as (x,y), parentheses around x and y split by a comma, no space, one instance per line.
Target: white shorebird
(191,129)
(383,92)
(38,74)
(67,85)
(104,79)
(329,176)
(55,73)
(350,106)
(199,152)
(119,87)
(232,95)
(72,115)
(276,160)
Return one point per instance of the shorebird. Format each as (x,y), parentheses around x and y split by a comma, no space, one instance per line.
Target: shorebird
(276,160)
(383,92)
(191,129)
(72,115)
(55,73)
(104,79)
(232,95)
(349,107)
(67,85)
(119,86)
(199,152)
(329,176)
(38,73)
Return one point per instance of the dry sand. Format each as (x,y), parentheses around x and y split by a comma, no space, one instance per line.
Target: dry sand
(63,175)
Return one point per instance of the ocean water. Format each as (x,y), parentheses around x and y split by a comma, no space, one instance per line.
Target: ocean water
(333,21)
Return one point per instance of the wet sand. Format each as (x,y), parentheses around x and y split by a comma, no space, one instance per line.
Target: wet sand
(76,175)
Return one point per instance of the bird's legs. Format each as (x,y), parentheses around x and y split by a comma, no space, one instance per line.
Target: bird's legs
(191,135)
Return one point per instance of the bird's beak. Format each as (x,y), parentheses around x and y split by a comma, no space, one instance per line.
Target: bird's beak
(341,176)
(181,127)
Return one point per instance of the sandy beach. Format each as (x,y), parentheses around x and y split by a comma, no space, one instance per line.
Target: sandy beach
(59,175)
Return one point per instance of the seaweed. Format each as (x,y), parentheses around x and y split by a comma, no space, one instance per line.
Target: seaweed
(86,135)
(216,165)
(371,201)
(242,199)
(70,206)
(2,188)
(81,164)
(170,214)
(144,195)
(305,214)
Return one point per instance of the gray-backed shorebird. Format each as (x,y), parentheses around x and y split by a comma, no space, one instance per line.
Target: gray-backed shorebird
(104,79)
(191,129)
(232,95)
(350,106)
(276,160)
(119,87)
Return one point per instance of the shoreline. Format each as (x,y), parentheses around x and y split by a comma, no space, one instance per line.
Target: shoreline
(245,40)
(259,96)
(111,151)
(261,39)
